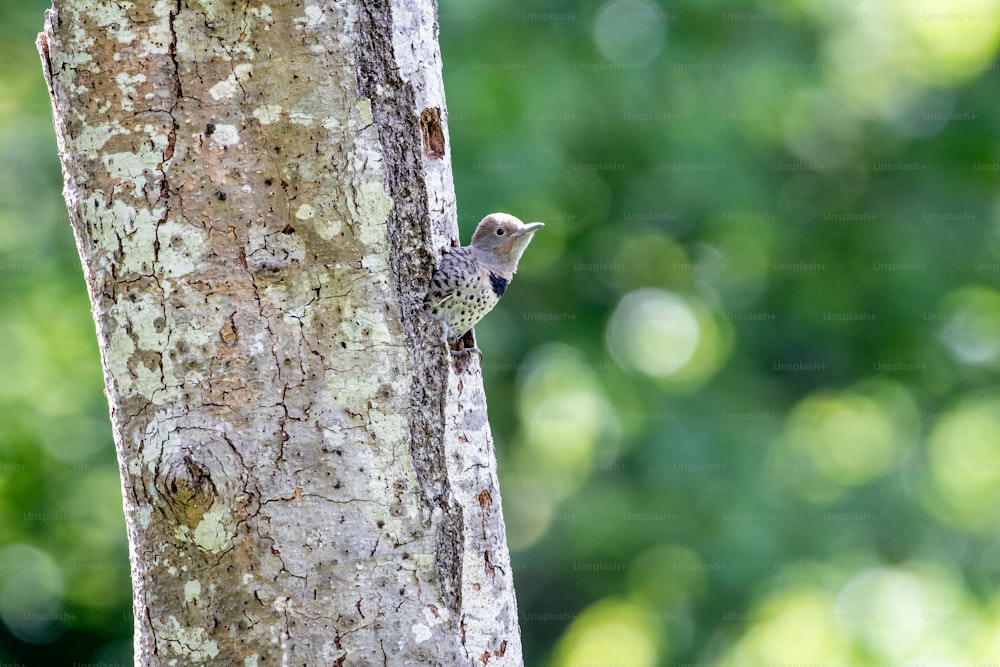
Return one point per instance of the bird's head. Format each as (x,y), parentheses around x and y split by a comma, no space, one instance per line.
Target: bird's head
(502,238)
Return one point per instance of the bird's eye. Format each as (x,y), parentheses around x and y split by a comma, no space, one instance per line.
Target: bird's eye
(499,232)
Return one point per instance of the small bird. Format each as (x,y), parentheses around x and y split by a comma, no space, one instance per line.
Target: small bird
(471,279)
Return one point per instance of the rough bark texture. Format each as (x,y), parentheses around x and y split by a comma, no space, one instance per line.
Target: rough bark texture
(259,193)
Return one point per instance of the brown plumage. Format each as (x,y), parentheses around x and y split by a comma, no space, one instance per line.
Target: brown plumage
(470,280)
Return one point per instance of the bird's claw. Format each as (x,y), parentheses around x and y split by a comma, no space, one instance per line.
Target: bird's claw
(467,350)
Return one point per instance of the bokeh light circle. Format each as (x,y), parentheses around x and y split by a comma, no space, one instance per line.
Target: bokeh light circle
(653,331)
(964,464)
(667,336)
(610,632)
(630,33)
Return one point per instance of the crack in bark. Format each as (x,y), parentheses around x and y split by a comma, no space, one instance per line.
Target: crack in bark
(168,151)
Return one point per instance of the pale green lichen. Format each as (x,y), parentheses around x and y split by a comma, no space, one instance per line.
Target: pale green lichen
(301,118)
(192,591)
(137,168)
(118,351)
(421,632)
(212,533)
(190,643)
(226,135)
(371,204)
(114,18)
(159,37)
(327,229)
(181,245)
(263,12)
(314,17)
(267,113)
(93,137)
(228,87)
(305,212)
(224,89)
(362,324)
(134,230)
(125,83)
(364,109)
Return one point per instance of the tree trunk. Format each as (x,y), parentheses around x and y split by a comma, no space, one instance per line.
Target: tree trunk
(259,193)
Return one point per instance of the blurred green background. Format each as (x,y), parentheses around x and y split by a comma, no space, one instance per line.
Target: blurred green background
(744,387)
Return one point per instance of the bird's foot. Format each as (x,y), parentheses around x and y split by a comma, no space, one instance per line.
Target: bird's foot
(466,350)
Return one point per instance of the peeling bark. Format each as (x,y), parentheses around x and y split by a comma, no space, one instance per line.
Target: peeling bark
(259,194)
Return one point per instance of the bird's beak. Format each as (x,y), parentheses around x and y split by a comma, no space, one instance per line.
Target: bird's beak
(530,227)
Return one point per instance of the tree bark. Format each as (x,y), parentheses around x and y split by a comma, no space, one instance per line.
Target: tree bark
(259,193)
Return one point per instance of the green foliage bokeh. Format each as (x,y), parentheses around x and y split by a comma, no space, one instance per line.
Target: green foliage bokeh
(743,387)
